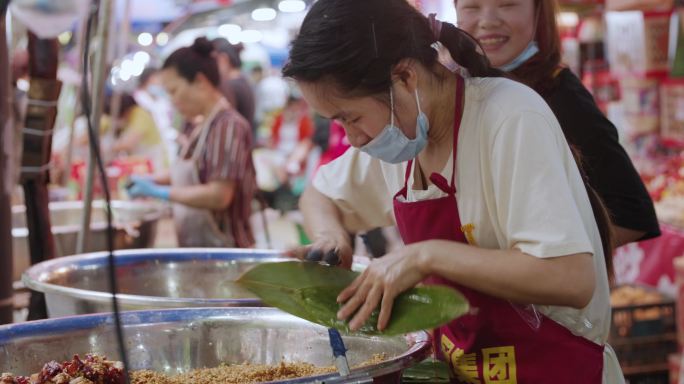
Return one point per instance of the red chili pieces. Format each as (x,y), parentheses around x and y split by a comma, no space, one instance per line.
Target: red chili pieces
(92,369)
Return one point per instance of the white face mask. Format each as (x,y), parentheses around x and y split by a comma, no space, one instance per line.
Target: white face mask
(392,146)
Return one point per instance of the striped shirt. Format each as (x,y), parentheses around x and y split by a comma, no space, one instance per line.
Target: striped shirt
(227,156)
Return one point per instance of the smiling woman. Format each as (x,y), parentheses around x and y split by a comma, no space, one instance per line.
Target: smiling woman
(502,28)
(521,37)
(507,28)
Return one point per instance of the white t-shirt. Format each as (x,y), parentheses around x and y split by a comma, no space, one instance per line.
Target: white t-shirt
(517,183)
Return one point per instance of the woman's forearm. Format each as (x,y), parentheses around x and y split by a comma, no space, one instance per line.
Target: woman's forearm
(215,195)
(162,178)
(321,216)
(513,275)
(127,142)
(625,235)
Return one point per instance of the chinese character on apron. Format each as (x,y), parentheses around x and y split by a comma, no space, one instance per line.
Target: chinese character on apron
(493,343)
(196,227)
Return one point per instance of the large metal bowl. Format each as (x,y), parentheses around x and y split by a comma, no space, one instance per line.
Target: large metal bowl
(147,279)
(175,341)
(135,227)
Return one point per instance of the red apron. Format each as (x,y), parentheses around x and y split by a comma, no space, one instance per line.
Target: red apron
(492,344)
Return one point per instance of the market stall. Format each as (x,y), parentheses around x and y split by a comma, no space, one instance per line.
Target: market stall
(629,54)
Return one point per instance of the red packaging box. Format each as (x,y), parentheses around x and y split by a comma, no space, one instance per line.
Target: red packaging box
(672,111)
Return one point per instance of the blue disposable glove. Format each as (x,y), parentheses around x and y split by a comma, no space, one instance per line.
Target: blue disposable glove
(144,187)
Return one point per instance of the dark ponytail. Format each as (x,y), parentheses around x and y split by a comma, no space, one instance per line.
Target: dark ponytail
(601,215)
(356,44)
(463,48)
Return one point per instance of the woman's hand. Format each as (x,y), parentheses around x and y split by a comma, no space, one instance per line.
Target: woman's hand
(145,187)
(383,280)
(329,247)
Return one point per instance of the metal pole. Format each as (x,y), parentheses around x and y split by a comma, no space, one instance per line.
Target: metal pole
(40,117)
(6,177)
(100,70)
(120,51)
(77,108)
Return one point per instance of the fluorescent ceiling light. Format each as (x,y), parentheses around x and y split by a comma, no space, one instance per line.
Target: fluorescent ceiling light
(141,58)
(229,30)
(145,39)
(264,14)
(162,39)
(250,36)
(291,6)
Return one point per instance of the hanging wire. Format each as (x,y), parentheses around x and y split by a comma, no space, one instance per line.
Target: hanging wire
(94,147)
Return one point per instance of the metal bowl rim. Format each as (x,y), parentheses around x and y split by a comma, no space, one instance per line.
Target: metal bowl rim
(98,225)
(419,342)
(33,277)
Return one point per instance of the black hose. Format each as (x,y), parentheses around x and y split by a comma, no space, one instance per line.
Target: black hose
(94,147)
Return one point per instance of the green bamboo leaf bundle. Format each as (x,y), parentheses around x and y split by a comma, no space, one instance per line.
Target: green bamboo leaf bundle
(309,290)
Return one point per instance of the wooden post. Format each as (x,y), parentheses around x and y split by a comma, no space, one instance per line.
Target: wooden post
(6,177)
(37,138)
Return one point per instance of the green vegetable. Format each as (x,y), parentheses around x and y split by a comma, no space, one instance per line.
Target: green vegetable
(309,290)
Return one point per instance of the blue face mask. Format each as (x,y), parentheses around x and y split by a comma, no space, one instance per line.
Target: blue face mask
(531,50)
(156,90)
(392,146)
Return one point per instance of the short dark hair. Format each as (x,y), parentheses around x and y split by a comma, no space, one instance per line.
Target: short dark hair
(356,43)
(231,50)
(146,75)
(198,58)
(127,102)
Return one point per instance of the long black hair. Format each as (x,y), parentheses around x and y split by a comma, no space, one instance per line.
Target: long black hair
(356,43)
(198,58)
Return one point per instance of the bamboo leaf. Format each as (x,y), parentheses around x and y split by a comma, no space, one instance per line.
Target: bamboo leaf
(309,290)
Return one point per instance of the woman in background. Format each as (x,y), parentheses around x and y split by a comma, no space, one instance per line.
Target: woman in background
(140,135)
(521,37)
(213,181)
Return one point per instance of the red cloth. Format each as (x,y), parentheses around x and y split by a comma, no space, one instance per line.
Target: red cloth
(650,262)
(305,128)
(337,144)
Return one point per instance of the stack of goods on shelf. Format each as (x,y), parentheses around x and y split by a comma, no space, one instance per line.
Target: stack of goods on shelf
(637,50)
(675,359)
(662,169)
(633,63)
(118,173)
(645,50)
(643,332)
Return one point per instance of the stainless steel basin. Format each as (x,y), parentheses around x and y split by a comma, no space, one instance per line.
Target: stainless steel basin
(135,224)
(147,279)
(178,340)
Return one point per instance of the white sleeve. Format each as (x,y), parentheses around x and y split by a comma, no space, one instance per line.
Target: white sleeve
(356,184)
(535,187)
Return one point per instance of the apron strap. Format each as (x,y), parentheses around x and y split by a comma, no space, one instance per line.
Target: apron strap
(436,178)
(458,116)
(199,147)
(203,130)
